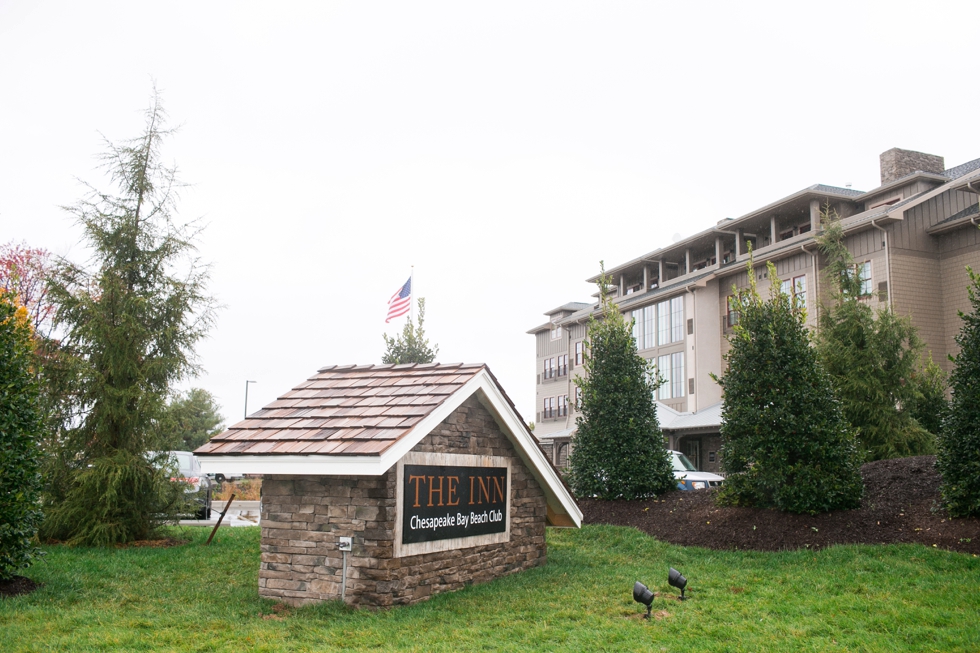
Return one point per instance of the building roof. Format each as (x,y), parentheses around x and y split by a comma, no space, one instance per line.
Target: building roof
(835,190)
(956,221)
(962,169)
(362,419)
(344,411)
(564,433)
(810,191)
(706,418)
(570,306)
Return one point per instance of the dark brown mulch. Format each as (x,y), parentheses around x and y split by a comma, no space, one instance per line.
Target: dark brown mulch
(17,585)
(901,504)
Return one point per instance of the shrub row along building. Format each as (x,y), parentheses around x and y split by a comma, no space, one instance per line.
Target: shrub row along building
(911,239)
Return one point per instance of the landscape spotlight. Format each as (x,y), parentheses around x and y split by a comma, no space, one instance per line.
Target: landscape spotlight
(677,580)
(642,594)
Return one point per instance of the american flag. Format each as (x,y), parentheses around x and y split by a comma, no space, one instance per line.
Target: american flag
(400,302)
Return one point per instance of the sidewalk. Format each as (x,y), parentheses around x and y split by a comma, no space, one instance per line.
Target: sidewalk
(241,513)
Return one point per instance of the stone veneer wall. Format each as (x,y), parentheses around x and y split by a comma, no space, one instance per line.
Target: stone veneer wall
(304,517)
(897,163)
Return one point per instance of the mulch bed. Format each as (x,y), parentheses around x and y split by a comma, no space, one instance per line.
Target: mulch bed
(901,504)
(17,585)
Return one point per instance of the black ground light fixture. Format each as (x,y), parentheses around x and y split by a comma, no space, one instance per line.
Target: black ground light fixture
(675,579)
(642,594)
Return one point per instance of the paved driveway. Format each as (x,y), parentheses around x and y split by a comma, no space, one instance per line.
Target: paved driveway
(241,513)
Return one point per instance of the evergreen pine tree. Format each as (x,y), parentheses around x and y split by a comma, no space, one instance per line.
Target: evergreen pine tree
(130,322)
(958,458)
(785,441)
(411,346)
(190,420)
(874,359)
(929,403)
(619,448)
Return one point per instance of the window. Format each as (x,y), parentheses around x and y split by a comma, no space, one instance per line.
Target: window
(799,290)
(562,405)
(549,368)
(556,332)
(649,326)
(734,306)
(644,326)
(663,367)
(677,374)
(671,368)
(549,408)
(677,319)
(663,323)
(805,227)
(670,321)
(888,202)
(863,271)
(795,291)
(563,365)
(579,352)
(637,317)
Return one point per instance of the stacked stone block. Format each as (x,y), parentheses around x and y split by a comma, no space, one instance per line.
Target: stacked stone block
(897,163)
(304,517)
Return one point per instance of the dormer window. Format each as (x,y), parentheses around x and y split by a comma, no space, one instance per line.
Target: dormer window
(888,202)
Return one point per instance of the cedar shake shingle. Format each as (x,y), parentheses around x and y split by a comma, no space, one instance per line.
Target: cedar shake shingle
(345,410)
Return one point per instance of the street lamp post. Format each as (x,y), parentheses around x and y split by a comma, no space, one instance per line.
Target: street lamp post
(246,397)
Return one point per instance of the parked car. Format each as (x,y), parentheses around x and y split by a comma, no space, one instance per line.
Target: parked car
(200,487)
(689,478)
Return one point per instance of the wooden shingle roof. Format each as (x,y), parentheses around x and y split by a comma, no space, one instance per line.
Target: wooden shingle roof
(349,410)
(360,420)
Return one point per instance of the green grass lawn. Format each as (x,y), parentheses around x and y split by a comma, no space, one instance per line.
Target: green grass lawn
(192,598)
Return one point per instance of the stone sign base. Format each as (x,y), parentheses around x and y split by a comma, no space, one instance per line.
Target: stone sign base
(305,517)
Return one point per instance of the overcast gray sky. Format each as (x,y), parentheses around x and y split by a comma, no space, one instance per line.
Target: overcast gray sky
(501,148)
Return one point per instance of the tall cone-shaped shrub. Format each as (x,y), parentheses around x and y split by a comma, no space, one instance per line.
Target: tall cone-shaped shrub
(958,457)
(20,426)
(619,448)
(785,441)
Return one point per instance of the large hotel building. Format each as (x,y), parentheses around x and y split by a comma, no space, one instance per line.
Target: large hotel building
(911,238)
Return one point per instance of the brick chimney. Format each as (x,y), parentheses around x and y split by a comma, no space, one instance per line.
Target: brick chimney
(896,163)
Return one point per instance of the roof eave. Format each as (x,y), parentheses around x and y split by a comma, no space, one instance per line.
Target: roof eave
(903,181)
(967,184)
(728,227)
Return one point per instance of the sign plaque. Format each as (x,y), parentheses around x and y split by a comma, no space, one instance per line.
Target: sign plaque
(442,502)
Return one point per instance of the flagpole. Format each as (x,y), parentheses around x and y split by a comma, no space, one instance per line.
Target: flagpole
(411,305)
